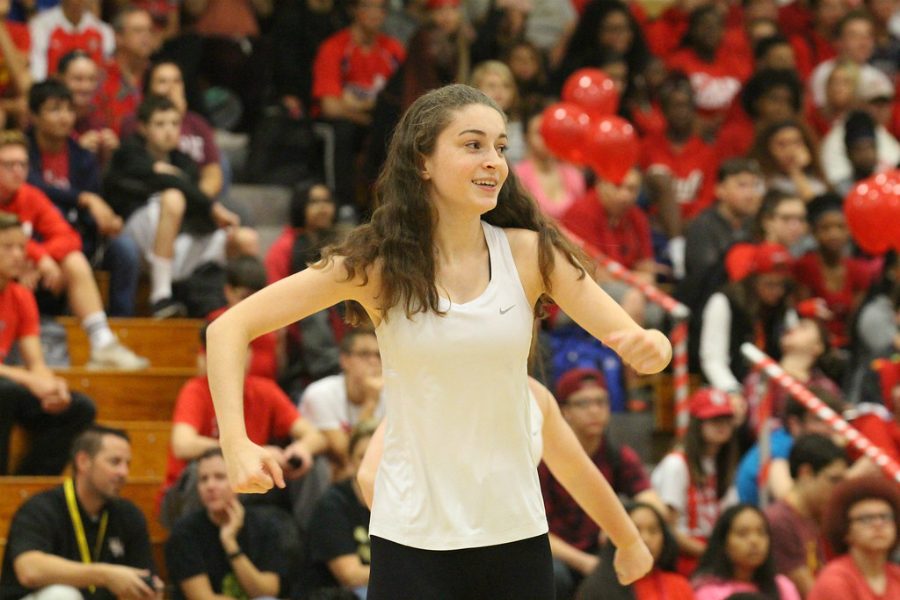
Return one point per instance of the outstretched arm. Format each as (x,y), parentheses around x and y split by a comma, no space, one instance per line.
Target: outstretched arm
(573,468)
(646,351)
(250,467)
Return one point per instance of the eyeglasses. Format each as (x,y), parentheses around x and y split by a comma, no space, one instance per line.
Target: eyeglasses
(586,403)
(366,354)
(873,518)
(11,164)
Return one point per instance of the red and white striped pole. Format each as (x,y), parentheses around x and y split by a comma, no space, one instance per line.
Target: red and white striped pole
(763,361)
(678,336)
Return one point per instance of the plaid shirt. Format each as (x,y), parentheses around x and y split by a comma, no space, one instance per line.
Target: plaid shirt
(566,519)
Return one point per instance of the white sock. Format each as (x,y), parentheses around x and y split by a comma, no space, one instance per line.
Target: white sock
(97,329)
(160,278)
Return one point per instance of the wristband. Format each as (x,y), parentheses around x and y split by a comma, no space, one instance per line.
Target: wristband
(234,554)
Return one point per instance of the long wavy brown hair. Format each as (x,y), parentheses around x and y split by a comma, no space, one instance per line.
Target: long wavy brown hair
(400,235)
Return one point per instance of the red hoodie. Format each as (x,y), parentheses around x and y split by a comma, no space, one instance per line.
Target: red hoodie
(47,230)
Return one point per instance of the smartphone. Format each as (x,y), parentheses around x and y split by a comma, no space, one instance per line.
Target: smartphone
(295,461)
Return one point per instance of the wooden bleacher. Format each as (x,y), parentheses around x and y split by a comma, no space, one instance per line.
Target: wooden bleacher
(140,402)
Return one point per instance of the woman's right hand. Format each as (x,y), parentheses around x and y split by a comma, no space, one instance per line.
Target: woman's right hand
(251,469)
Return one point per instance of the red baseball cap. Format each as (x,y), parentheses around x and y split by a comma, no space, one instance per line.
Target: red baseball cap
(709,403)
(744,260)
(574,379)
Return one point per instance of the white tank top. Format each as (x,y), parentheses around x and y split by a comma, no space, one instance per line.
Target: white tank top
(459,468)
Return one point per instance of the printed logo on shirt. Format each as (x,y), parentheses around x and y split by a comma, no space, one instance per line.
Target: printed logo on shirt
(714,93)
(116,547)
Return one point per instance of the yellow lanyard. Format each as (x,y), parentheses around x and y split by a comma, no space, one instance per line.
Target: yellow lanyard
(78,526)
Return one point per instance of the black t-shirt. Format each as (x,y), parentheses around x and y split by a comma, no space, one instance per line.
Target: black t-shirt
(43,523)
(194,549)
(339,526)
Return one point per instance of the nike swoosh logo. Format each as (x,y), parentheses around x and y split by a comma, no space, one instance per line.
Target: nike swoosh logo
(503,311)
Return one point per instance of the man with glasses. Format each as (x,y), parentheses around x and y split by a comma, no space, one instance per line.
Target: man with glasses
(338,403)
(574,537)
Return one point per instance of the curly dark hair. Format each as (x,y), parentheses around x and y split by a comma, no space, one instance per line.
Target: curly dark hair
(850,492)
(766,79)
(400,236)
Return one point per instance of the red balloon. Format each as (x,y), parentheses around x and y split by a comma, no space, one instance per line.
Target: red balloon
(593,91)
(612,148)
(865,217)
(888,209)
(563,128)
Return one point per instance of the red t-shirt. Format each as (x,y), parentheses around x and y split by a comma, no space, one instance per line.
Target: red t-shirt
(883,434)
(841,579)
(627,242)
(55,167)
(735,137)
(278,258)
(795,18)
(715,84)
(692,167)
(662,585)
(116,99)
(664,33)
(811,49)
(263,361)
(18,316)
(340,64)
(857,278)
(268,412)
(22,40)
(47,230)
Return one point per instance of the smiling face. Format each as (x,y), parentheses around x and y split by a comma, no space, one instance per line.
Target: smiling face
(468,166)
(81,78)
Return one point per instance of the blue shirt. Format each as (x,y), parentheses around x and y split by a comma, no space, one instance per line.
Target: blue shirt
(780,442)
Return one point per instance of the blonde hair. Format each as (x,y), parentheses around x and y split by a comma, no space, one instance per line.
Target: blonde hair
(500,69)
(13,137)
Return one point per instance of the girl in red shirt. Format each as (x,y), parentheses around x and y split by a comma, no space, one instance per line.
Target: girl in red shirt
(662,583)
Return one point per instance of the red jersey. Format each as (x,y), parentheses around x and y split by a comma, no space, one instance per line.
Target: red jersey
(809,273)
(715,84)
(735,137)
(22,41)
(263,361)
(53,36)
(692,167)
(627,242)
(47,230)
(662,585)
(279,256)
(342,64)
(811,49)
(664,33)
(795,18)
(18,316)
(55,168)
(268,413)
(116,98)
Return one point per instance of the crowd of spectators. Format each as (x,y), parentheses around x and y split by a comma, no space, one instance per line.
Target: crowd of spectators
(755,119)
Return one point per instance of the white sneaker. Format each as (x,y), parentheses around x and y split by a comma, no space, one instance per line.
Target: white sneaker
(116,356)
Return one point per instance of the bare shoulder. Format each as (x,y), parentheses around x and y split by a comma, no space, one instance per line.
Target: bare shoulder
(522,241)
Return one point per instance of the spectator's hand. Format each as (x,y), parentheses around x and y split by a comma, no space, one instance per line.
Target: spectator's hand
(30,277)
(223,217)
(799,160)
(293,106)
(51,274)
(90,141)
(646,351)
(251,469)
(297,450)
(229,530)
(51,391)
(108,222)
(109,139)
(127,582)
(632,562)
(164,168)
(740,406)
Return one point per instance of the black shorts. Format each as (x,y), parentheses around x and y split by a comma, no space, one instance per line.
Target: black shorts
(521,570)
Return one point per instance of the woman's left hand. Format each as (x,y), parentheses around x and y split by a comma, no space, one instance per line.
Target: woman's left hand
(647,351)
(632,562)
